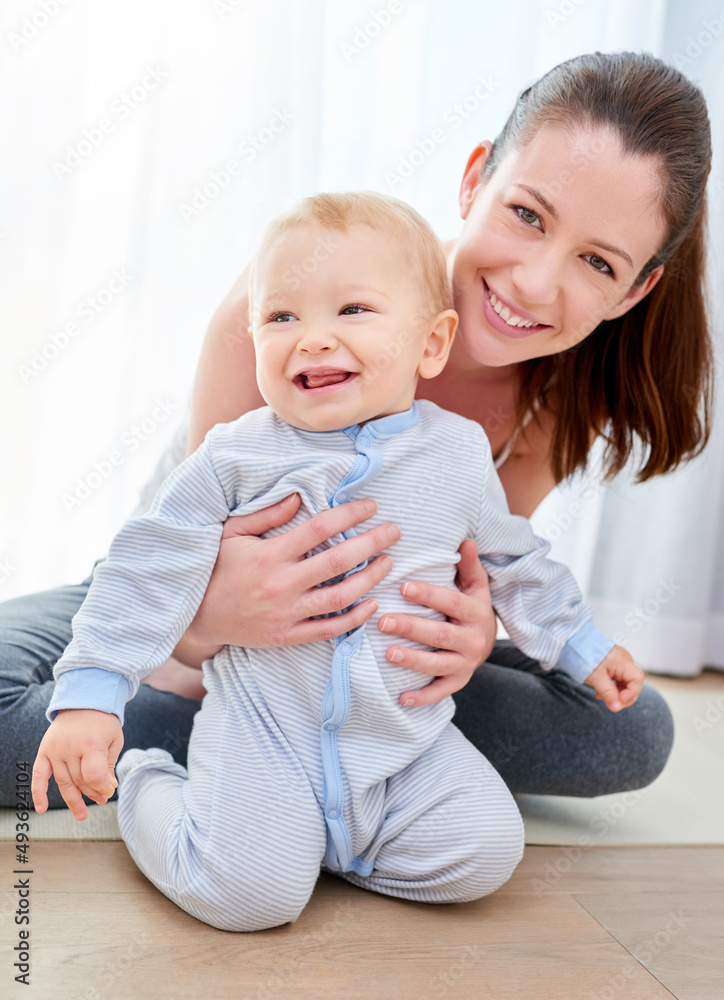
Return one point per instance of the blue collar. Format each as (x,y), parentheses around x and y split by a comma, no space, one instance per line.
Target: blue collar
(387,426)
(394,423)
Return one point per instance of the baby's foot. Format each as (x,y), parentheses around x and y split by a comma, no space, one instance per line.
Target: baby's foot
(177,677)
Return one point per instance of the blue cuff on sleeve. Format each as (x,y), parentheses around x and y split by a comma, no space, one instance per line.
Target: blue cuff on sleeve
(584,651)
(90,687)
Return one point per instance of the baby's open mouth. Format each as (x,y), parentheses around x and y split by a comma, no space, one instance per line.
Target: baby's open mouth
(319,378)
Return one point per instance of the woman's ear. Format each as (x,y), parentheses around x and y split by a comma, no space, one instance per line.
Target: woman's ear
(471,177)
(439,342)
(635,294)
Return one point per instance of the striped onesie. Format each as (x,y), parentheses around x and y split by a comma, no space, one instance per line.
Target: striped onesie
(302,756)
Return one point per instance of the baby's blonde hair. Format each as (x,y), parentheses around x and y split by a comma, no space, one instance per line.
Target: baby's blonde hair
(401,222)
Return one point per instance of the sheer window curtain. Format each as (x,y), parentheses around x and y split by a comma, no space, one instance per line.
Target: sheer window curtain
(147,145)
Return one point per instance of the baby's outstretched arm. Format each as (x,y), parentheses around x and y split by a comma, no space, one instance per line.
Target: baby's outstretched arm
(617,680)
(80,748)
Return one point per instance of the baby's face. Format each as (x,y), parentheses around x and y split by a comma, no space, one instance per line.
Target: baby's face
(339,325)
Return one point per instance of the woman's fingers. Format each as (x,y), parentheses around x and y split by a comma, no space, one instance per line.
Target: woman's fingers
(436,663)
(333,599)
(471,577)
(324,629)
(346,555)
(451,603)
(339,596)
(435,691)
(342,558)
(262,520)
(458,644)
(429,631)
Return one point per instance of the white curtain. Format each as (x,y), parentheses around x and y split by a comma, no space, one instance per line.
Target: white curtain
(145,147)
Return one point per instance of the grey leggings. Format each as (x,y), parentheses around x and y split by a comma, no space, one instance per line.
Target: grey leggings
(541,730)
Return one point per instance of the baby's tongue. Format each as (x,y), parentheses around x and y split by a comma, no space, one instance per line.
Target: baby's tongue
(316,379)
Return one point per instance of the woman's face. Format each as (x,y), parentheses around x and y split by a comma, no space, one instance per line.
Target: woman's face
(552,243)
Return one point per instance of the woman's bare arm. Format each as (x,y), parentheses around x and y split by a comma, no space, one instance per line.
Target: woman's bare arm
(225,384)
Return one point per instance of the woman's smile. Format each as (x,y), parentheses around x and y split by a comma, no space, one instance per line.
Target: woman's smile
(508,318)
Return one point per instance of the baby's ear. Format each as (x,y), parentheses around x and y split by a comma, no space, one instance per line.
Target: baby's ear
(439,341)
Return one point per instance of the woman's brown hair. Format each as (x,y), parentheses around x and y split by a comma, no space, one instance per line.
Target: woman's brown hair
(644,379)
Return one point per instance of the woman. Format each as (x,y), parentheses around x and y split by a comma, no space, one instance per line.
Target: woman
(578,281)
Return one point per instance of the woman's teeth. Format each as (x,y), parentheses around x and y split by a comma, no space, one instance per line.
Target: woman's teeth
(510,318)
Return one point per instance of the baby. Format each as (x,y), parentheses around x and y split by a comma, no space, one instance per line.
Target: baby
(304,757)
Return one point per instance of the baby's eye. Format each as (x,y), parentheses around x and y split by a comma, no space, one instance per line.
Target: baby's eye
(599,263)
(280,317)
(353,310)
(527,214)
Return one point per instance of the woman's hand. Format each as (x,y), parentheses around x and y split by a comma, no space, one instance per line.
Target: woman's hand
(263,592)
(461,643)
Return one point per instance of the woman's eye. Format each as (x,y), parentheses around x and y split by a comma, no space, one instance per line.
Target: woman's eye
(599,263)
(527,215)
(352,310)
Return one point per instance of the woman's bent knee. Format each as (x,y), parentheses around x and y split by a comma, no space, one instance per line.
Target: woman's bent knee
(652,739)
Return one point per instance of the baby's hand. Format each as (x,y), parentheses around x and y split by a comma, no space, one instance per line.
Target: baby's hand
(80,748)
(617,680)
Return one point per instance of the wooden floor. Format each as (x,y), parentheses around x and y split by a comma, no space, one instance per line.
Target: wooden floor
(595,924)
(628,923)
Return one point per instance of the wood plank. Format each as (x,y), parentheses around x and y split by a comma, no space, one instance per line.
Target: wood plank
(102,866)
(678,937)
(106,866)
(348,944)
(545,870)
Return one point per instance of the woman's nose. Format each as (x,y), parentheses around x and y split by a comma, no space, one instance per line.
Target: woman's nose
(537,277)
